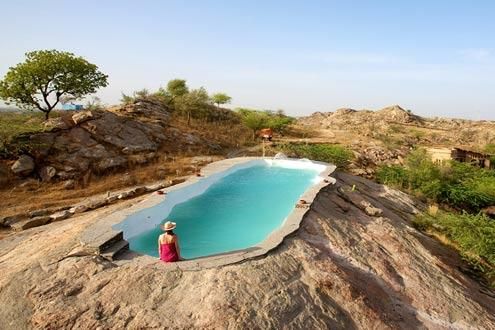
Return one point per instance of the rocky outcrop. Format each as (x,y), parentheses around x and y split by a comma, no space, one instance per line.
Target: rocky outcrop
(355,263)
(99,141)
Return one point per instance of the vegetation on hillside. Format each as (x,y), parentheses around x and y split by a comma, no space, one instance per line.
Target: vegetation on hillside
(472,234)
(46,77)
(192,104)
(459,185)
(220,99)
(258,119)
(15,128)
(330,153)
(462,188)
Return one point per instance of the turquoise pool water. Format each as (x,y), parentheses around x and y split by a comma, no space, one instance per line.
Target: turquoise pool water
(236,212)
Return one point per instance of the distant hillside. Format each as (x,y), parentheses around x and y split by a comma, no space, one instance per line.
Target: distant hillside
(395,121)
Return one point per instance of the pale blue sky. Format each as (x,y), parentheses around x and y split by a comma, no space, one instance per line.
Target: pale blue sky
(436,58)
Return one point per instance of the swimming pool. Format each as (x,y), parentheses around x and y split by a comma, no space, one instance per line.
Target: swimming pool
(232,210)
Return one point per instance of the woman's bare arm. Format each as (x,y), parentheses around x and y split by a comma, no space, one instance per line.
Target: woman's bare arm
(159,250)
(177,247)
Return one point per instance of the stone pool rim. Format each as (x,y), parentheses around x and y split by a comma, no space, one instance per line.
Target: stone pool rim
(274,239)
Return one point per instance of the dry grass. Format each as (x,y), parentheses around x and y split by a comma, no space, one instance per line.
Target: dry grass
(39,196)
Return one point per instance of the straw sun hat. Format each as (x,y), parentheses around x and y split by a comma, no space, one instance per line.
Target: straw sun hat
(169,225)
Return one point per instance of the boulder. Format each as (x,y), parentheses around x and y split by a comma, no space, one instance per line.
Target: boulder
(81,117)
(23,166)
(47,173)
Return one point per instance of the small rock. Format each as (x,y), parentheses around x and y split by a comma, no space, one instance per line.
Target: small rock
(123,195)
(111,199)
(47,173)
(370,209)
(30,223)
(8,221)
(139,190)
(97,203)
(156,186)
(69,184)
(23,166)
(56,124)
(38,213)
(62,215)
(78,209)
(81,117)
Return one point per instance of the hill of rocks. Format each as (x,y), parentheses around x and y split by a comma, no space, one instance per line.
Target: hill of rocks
(78,144)
(395,120)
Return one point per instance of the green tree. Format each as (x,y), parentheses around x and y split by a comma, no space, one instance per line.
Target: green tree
(220,98)
(253,119)
(48,75)
(177,88)
(192,104)
(126,99)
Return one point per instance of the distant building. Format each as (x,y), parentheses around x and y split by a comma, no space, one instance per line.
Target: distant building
(72,106)
(476,158)
(441,155)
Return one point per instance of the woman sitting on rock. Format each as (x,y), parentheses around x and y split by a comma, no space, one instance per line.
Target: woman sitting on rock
(168,243)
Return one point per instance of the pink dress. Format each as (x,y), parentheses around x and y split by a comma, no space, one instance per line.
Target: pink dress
(168,252)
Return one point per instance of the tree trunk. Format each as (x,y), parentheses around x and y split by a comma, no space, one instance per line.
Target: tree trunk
(47,115)
(189,119)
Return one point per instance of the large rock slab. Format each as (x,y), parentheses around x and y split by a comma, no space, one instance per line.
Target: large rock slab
(345,268)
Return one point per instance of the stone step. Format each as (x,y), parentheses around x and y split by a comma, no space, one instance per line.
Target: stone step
(112,251)
(100,240)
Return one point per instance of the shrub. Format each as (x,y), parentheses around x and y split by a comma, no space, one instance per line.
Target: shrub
(336,154)
(15,128)
(460,185)
(473,234)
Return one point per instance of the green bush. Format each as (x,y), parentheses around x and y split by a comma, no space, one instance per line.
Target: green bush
(473,234)
(15,128)
(335,154)
(462,186)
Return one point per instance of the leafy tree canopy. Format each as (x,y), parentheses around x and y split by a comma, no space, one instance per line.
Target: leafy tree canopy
(177,87)
(46,76)
(257,119)
(193,103)
(220,98)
